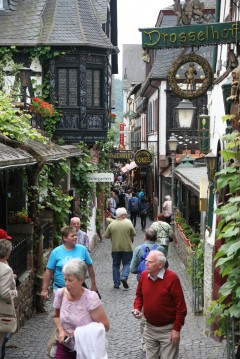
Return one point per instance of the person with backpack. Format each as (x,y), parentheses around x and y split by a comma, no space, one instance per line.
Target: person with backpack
(143,212)
(165,233)
(137,265)
(133,207)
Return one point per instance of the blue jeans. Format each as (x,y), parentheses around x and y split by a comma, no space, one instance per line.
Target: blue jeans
(125,259)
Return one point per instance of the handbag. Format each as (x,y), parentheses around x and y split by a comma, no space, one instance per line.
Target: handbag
(52,345)
(8,324)
(53,341)
(8,318)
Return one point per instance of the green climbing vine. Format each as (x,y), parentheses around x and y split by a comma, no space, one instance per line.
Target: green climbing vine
(53,196)
(228,230)
(15,123)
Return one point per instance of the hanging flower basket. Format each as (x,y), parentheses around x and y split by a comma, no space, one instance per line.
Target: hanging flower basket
(112,117)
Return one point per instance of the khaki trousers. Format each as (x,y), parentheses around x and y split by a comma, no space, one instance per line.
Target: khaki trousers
(158,344)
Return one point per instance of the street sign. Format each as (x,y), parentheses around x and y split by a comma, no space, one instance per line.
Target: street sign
(191,35)
(100,177)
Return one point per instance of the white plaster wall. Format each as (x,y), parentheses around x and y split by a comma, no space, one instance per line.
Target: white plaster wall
(216,111)
(91,230)
(162,118)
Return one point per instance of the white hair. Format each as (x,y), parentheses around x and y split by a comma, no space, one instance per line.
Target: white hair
(167,198)
(76,267)
(120,212)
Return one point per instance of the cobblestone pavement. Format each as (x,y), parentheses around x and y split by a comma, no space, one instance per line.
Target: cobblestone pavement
(124,337)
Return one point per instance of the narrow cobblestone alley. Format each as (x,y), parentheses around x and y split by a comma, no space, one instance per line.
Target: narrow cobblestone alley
(123,337)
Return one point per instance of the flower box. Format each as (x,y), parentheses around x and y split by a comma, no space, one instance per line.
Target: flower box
(20,228)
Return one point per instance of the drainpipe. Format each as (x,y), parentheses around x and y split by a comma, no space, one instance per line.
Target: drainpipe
(158,147)
(217,18)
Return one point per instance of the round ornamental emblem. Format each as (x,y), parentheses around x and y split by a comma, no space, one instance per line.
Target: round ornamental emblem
(190,76)
(143,158)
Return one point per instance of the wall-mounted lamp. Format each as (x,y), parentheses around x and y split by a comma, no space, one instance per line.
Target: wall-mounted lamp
(203,131)
(25,82)
(25,76)
(211,161)
(172,144)
(184,113)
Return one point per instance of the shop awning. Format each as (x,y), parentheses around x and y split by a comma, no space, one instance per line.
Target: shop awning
(190,177)
(167,172)
(128,167)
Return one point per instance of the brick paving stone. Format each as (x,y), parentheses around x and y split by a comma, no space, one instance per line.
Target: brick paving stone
(124,336)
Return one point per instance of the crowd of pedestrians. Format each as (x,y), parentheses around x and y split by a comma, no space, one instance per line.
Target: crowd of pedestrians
(161,315)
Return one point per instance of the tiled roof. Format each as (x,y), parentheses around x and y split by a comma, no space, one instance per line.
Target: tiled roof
(101,9)
(12,157)
(55,22)
(16,157)
(133,63)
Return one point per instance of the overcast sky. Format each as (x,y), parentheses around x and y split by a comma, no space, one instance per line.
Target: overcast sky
(135,14)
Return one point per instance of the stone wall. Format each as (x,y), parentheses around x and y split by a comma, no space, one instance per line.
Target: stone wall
(183,246)
(208,273)
(24,301)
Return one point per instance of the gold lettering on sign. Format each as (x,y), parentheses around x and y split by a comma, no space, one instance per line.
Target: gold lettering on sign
(214,32)
(182,37)
(234,29)
(192,36)
(150,36)
(164,36)
(201,36)
(173,37)
(225,31)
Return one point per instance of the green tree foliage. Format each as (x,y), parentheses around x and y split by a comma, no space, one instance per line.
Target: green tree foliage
(228,230)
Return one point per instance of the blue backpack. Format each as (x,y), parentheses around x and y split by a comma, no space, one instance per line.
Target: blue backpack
(134,205)
(142,264)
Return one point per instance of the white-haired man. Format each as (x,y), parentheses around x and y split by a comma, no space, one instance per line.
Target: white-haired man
(160,292)
(82,237)
(121,232)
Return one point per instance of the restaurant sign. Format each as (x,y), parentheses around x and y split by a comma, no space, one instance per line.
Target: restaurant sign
(121,155)
(191,35)
(143,158)
(100,177)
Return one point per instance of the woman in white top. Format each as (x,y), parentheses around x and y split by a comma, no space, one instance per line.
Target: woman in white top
(167,209)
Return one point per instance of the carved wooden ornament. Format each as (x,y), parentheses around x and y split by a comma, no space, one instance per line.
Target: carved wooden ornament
(190,90)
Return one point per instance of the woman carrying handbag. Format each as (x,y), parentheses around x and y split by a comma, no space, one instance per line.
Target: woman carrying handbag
(7,289)
(74,307)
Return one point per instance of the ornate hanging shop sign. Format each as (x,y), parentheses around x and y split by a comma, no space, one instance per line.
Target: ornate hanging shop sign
(190,76)
(191,35)
(143,158)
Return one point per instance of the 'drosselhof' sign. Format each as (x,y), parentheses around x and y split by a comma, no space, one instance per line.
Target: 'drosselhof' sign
(191,35)
(143,158)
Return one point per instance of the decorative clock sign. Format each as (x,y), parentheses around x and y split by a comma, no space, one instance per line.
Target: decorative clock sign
(190,76)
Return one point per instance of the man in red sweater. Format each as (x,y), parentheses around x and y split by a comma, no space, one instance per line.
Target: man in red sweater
(160,293)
